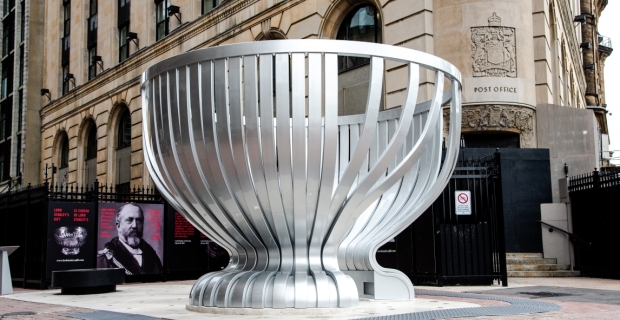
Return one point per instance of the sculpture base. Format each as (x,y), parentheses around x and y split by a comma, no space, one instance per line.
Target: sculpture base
(392,285)
(270,289)
(272,312)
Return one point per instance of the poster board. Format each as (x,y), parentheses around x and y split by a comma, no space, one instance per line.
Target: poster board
(189,249)
(123,243)
(70,236)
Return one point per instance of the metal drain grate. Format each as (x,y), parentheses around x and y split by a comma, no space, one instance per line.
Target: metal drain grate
(108,315)
(546,294)
(17,313)
(517,306)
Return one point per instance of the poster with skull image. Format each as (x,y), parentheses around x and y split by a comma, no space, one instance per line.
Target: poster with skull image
(131,237)
(70,236)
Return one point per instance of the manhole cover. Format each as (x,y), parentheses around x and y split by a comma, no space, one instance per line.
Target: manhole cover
(17,313)
(546,294)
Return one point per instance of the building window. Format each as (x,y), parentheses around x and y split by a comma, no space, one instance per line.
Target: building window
(66,45)
(91,42)
(361,24)
(124,130)
(23,23)
(8,5)
(65,80)
(123,150)
(6,85)
(19,153)
(21,65)
(8,34)
(208,5)
(90,161)
(92,64)
(3,164)
(123,44)
(91,142)
(161,19)
(64,152)
(123,29)
(20,109)
(5,123)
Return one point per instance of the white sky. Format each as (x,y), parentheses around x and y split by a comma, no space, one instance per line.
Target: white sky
(609,25)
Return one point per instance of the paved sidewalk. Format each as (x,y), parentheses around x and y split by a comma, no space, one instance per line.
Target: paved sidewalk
(580,298)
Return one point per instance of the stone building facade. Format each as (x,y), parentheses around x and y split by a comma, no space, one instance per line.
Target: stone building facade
(514,56)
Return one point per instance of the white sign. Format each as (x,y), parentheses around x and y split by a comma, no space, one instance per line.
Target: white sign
(462,203)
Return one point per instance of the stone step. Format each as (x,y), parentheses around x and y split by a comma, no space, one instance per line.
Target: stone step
(522,274)
(531,261)
(537,267)
(524,255)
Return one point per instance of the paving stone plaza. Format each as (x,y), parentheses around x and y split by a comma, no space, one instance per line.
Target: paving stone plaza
(569,298)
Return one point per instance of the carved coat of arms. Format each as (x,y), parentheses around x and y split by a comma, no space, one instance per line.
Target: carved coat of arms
(494,50)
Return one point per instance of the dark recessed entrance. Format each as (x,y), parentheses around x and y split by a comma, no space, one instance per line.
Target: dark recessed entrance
(491,140)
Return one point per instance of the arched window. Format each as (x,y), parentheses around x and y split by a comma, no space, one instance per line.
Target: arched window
(124,130)
(90,161)
(91,143)
(122,170)
(361,24)
(64,152)
(63,159)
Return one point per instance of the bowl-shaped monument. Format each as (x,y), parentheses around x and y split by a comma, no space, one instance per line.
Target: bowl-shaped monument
(246,141)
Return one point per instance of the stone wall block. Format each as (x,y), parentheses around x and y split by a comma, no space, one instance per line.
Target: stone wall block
(305,28)
(408,28)
(396,10)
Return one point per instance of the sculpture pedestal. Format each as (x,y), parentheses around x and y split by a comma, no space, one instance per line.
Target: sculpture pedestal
(6,285)
(274,312)
(378,286)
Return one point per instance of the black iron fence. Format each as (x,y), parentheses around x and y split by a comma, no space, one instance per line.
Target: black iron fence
(443,248)
(595,221)
(24,219)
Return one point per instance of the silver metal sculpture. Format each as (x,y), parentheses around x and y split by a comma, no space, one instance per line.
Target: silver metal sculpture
(246,142)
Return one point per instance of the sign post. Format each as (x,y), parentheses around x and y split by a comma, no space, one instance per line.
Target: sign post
(462,203)
(6,285)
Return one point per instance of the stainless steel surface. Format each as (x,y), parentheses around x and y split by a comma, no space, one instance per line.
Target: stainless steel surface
(296,194)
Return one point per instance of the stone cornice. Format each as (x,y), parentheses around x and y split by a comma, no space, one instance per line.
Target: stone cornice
(98,99)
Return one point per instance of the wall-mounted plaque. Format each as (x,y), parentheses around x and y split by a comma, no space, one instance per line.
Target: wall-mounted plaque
(494,50)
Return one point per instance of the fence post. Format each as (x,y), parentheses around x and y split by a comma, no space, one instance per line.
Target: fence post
(26,234)
(500,220)
(96,203)
(596,179)
(46,201)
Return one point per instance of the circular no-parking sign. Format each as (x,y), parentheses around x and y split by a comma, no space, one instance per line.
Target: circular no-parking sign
(462,203)
(462,198)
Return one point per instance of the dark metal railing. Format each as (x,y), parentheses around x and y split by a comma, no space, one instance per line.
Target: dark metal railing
(594,180)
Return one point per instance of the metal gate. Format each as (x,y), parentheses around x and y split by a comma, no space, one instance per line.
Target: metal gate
(443,248)
(595,222)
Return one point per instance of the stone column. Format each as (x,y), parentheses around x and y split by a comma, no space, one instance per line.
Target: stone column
(491,43)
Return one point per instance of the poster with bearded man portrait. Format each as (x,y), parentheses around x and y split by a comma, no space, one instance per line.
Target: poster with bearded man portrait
(131,237)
